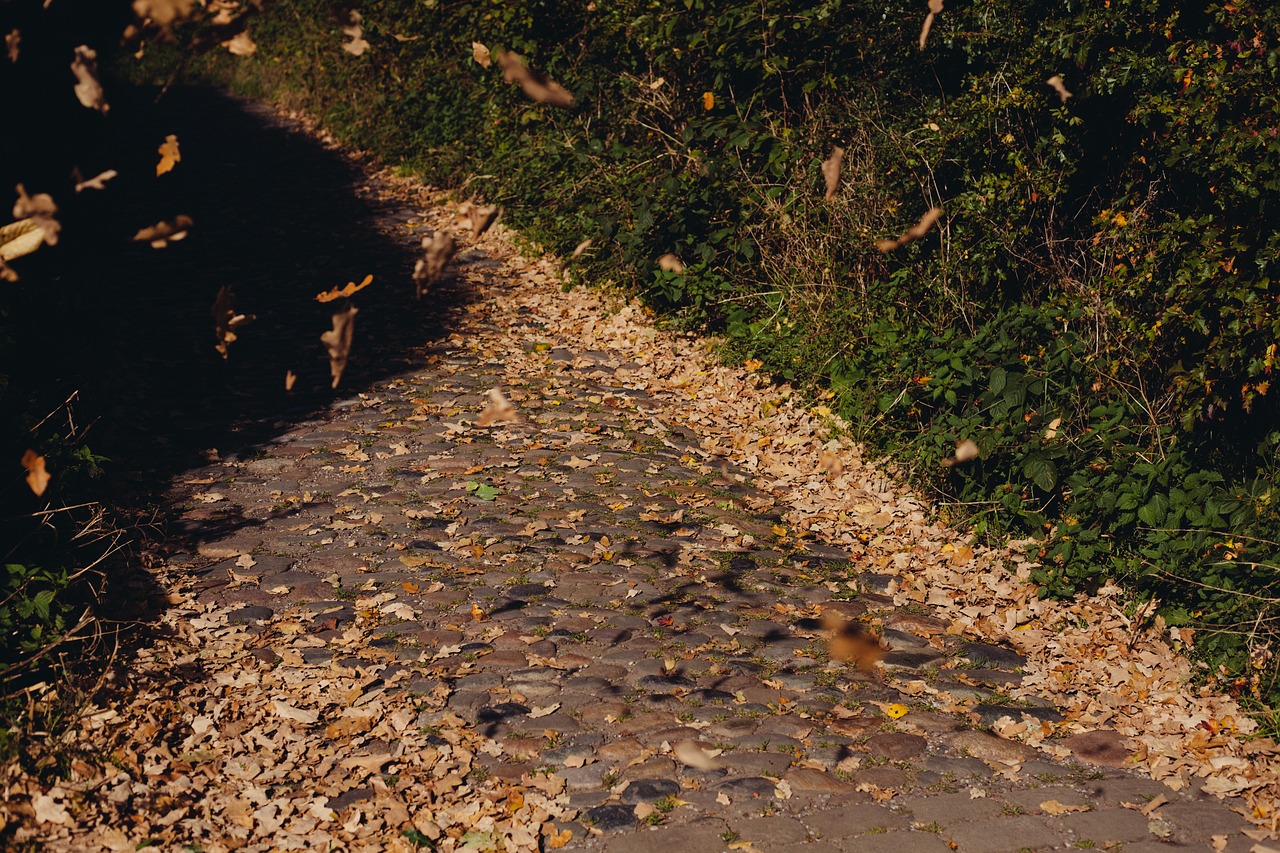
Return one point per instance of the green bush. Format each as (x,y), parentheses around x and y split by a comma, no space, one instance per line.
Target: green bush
(1098,308)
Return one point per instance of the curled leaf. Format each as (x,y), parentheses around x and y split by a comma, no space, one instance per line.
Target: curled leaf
(831,171)
(498,411)
(19,238)
(708,100)
(482,219)
(1055,83)
(163,233)
(41,210)
(12,41)
(480,54)
(338,341)
(37,477)
(439,247)
(88,89)
(537,86)
(289,379)
(915,232)
(97,182)
(343,292)
(225,319)
(169,155)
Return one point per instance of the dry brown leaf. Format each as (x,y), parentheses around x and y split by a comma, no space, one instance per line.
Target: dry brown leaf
(12,43)
(163,233)
(40,209)
(852,641)
(357,46)
(97,182)
(1054,807)
(480,54)
(19,238)
(439,247)
(831,171)
(1055,83)
(88,89)
(482,219)
(557,840)
(241,44)
(163,12)
(169,155)
(935,7)
(915,232)
(670,263)
(830,463)
(289,379)
(966,451)
(498,411)
(693,754)
(538,87)
(37,477)
(226,321)
(351,289)
(338,341)
(579,249)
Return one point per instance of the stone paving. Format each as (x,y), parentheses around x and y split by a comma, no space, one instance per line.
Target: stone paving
(582,587)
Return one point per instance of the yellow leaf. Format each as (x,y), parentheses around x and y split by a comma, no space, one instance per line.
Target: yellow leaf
(350,290)
(169,155)
(37,476)
(708,100)
(477,615)
(895,711)
(410,587)
(20,238)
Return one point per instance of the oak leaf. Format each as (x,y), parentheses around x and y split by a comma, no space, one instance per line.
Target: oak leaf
(338,341)
(537,86)
(341,293)
(169,155)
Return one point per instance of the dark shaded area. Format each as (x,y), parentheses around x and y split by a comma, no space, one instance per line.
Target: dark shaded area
(129,328)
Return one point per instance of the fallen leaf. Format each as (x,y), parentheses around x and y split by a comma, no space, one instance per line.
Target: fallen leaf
(169,155)
(88,89)
(1055,83)
(895,711)
(831,171)
(226,322)
(439,247)
(643,810)
(1052,430)
(481,55)
(344,292)
(478,615)
(723,799)
(498,411)
(545,711)
(556,840)
(297,715)
(97,182)
(538,87)
(163,233)
(1153,804)
(49,810)
(338,341)
(37,477)
(1054,807)
(829,463)
(915,232)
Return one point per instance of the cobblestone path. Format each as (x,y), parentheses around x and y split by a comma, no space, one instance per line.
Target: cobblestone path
(600,615)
